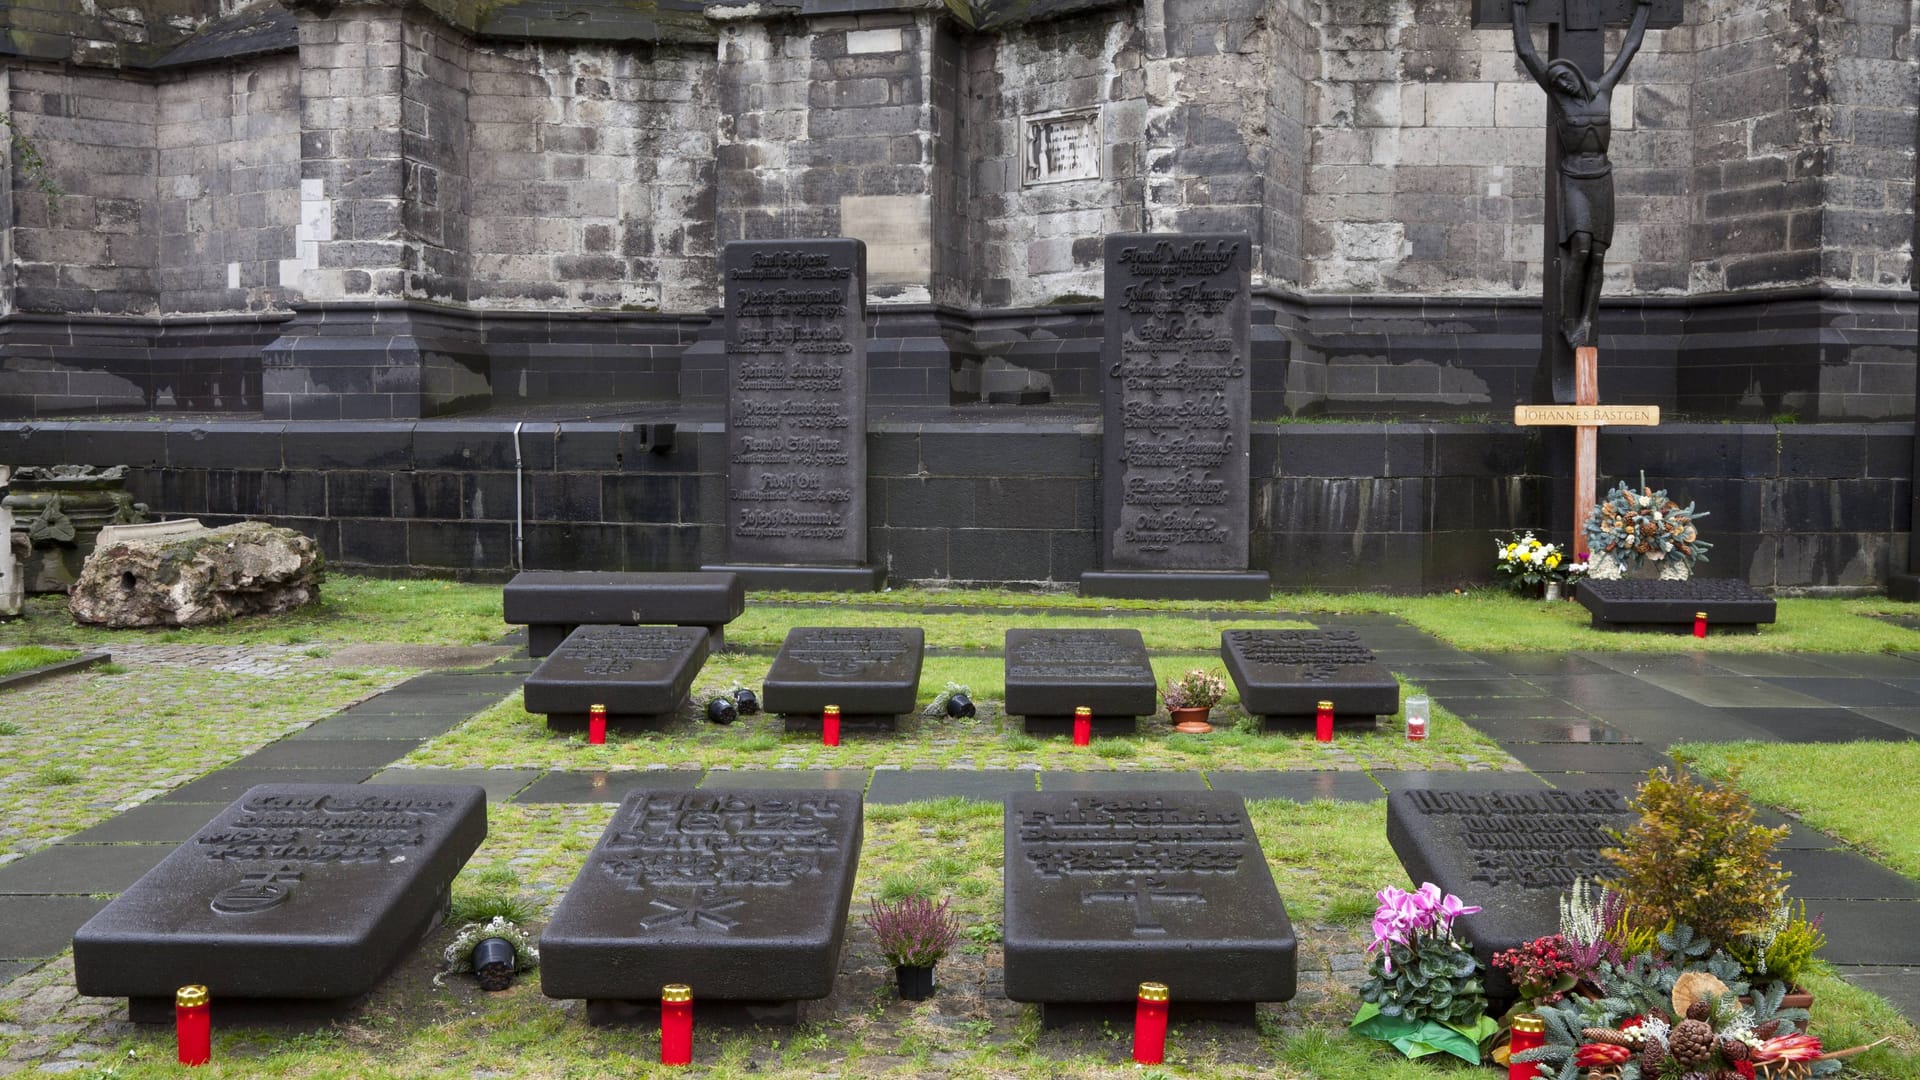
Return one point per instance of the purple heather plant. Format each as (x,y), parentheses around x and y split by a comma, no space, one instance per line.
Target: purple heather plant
(914,932)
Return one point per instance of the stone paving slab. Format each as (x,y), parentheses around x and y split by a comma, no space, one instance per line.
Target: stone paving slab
(10,969)
(1844,875)
(1297,786)
(1873,665)
(1542,664)
(1907,720)
(326,754)
(1609,691)
(1731,691)
(500,784)
(1899,985)
(1538,707)
(1661,728)
(1565,757)
(150,823)
(1573,728)
(1771,665)
(228,784)
(1817,725)
(1510,686)
(911,785)
(1409,780)
(829,779)
(1870,931)
(1122,781)
(42,926)
(81,869)
(604,787)
(349,725)
(1850,692)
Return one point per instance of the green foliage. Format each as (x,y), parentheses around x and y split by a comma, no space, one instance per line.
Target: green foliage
(27,658)
(483,905)
(8,727)
(1432,979)
(1697,858)
(26,158)
(1784,949)
(1645,526)
(57,775)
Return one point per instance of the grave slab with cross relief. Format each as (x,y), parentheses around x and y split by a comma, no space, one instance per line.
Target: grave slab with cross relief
(296,900)
(1107,890)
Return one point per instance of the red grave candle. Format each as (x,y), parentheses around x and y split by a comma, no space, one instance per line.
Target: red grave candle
(1150,1024)
(1529,1032)
(1323,722)
(1082,726)
(676,1024)
(1699,624)
(193,1025)
(597,724)
(830,726)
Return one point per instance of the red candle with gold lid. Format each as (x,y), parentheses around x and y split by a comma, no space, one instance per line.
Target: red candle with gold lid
(193,1025)
(1150,1024)
(676,1024)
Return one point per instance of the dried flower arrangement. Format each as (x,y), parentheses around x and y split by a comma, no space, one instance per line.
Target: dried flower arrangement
(1631,528)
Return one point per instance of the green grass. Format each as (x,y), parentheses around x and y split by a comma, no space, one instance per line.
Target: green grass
(1861,792)
(29,657)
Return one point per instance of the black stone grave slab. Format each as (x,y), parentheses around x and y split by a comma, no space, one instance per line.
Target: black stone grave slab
(1050,673)
(1730,604)
(1105,891)
(1513,852)
(296,899)
(1178,397)
(742,895)
(640,673)
(552,602)
(872,673)
(796,341)
(1283,675)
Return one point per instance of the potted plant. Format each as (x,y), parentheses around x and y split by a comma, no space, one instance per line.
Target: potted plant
(1423,993)
(913,934)
(1643,533)
(956,701)
(1529,564)
(495,951)
(1191,697)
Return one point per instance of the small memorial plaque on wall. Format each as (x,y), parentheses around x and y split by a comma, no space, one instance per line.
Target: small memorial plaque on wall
(1060,146)
(796,402)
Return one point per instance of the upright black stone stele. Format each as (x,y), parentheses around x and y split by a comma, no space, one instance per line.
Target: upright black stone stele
(1106,891)
(742,895)
(1176,402)
(294,902)
(797,414)
(1511,852)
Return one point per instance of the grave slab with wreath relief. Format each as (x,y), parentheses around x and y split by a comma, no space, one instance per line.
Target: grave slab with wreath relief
(742,895)
(295,901)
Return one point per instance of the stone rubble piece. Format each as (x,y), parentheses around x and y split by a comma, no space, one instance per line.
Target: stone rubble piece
(250,568)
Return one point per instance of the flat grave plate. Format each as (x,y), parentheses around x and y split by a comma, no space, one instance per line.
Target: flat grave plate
(640,673)
(1285,674)
(741,894)
(1730,604)
(1512,851)
(1052,672)
(867,671)
(582,597)
(1104,890)
(294,892)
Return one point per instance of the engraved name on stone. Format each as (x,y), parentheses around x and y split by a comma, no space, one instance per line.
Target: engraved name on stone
(1060,146)
(1073,656)
(602,654)
(1151,837)
(846,652)
(716,845)
(1532,840)
(1297,648)
(296,831)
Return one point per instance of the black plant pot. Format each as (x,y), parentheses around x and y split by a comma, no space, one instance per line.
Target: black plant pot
(960,707)
(916,983)
(721,711)
(493,963)
(747,701)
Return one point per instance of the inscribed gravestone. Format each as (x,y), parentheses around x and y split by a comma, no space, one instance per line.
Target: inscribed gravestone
(640,673)
(741,894)
(1511,852)
(796,402)
(1104,891)
(295,892)
(1287,673)
(867,671)
(1176,398)
(1052,672)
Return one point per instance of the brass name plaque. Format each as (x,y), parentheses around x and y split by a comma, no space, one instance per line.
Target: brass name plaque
(1587,415)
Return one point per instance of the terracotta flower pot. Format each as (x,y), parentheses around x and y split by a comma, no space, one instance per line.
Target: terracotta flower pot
(1191,721)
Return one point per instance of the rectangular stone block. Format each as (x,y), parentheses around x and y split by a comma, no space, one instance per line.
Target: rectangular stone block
(1283,675)
(1513,852)
(295,897)
(1104,891)
(640,673)
(872,673)
(552,602)
(742,895)
(1050,673)
(1730,604)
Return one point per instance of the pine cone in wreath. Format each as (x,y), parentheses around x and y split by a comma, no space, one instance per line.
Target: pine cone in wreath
(1766,1031)
(1691,1042)
(1608,1035)
(1699,1009)
(1733,1049)
(1653,1058)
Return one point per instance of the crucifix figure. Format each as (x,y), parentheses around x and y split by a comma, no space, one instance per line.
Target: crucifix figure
(1580,112)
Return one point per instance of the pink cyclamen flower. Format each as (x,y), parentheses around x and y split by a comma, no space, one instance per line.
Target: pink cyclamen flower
(1451,908)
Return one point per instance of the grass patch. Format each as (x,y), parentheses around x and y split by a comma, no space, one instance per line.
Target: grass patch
(30,657)
(52,775)
(1861,792)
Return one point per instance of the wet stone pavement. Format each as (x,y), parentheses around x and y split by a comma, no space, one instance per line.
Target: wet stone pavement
(1575,721)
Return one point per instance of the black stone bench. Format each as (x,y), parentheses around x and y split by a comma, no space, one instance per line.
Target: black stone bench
(1513,852)
(1050,673)
(1730,604)
(640,673)
(872,673)
(550,603)
(1283,675)
(1106,891)
(294,902)
(742,895)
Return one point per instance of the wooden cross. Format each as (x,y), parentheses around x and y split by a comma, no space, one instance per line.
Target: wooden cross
(1585,416)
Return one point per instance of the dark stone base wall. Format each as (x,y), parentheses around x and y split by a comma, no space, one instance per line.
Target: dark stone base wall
(981,499)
